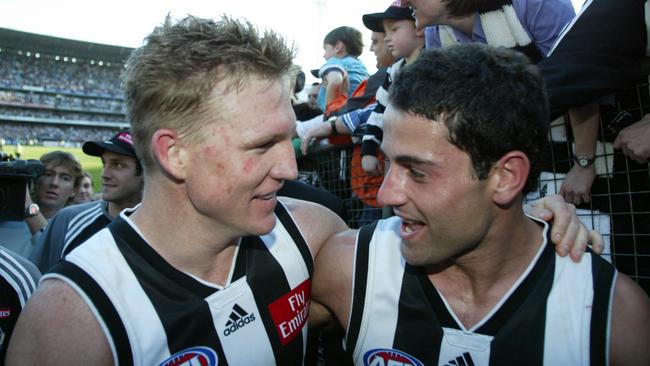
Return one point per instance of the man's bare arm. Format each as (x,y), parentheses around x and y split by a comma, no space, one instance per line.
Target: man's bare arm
(57,328)
(630,327)
(333,274)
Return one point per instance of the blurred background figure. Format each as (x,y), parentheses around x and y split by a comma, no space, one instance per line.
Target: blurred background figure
(84,188)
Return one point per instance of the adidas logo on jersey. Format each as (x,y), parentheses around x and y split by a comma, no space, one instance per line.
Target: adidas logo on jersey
(463,360)
(238,319)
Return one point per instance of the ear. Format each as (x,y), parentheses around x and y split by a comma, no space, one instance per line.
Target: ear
(509,176)
(339,47)
(168,151)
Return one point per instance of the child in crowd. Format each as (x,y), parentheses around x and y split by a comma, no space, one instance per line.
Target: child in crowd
(405,43)
(342,71)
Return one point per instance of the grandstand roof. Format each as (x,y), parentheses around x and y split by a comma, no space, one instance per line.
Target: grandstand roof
(18,40)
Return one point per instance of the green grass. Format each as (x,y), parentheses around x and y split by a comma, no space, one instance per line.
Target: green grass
(92,164)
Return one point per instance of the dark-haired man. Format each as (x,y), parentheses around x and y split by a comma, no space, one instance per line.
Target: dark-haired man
(461,276)
(122,182)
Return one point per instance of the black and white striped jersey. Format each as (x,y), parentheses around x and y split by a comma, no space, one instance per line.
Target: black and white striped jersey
(557,313)
(18,279)
(153,314)
(67,230)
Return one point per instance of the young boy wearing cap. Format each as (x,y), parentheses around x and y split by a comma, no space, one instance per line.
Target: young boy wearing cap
(122,183)
(405,44)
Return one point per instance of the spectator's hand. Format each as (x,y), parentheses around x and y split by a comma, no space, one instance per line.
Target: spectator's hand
(634,140)
(568,233)
(576,187)
(371,166)
(318,131)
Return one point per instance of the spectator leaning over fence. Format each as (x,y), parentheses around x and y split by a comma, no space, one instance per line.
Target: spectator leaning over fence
(461,275)
(122,182)
(52,190)
(405,44)
(211,265)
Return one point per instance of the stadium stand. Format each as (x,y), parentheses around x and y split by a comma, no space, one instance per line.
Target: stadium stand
(55,89)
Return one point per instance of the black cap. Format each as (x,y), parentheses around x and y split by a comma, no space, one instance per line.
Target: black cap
(374,21)
(121,143)
(315,72)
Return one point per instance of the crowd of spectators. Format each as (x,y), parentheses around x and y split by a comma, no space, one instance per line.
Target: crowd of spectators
(82,78)
(61,101)
(22,133)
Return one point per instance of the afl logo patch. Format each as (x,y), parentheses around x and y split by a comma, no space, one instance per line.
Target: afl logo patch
(195,356)
(392,357)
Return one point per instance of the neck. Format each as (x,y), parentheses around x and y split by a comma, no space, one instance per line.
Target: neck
(49,212)
(464,23)
(414,55)
(476,281)
(189,241)
(115,207)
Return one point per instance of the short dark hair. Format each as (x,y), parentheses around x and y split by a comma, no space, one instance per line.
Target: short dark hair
(351,38)
(492,100)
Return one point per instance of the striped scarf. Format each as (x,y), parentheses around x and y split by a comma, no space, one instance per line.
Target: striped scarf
(502,28)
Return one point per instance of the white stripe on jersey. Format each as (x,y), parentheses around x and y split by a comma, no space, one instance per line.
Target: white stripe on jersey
(102,260)
(374,333)
(11,270)
(80,222)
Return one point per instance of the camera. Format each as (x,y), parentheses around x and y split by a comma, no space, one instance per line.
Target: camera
(15,175)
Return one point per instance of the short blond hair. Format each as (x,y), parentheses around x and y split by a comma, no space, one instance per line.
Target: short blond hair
(168,80)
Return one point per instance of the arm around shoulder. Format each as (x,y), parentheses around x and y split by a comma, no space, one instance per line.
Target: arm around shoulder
(57,328)
(334,273)
(630,330)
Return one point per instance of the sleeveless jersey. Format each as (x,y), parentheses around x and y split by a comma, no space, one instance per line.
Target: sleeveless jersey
(67,230)
(556,313)
(18,279)
(153,314)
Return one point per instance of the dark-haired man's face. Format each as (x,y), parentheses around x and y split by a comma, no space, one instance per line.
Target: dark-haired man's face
(432,186)
(382,54)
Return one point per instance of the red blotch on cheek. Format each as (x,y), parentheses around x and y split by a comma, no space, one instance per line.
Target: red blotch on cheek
(249,165)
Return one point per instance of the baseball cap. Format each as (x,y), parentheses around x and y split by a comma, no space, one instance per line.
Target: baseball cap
(121,143)
(374,21)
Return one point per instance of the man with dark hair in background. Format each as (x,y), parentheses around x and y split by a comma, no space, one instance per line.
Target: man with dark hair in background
(122,182)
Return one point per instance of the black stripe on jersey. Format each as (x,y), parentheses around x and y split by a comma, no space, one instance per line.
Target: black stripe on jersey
(412,314)
(521,321)
(268,282)
(603,276)
(288,223)
(177,297)
(103,305)
(438,306)
(360,281)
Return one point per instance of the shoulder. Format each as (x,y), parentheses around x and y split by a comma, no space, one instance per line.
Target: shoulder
(55,319)
(316,223)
